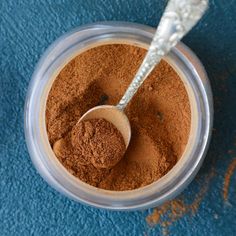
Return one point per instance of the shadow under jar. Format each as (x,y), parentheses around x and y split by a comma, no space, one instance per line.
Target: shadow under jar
(196,83)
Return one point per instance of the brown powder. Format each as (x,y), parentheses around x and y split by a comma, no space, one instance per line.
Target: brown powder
(159,115)
(99,141)
(171,211)
(228,175)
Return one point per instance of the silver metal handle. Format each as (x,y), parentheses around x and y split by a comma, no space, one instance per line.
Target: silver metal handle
(178,19)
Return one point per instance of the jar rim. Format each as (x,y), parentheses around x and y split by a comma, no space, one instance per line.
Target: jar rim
(54,59)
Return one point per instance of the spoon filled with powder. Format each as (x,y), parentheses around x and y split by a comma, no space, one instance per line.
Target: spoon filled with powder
(95,141)
(98,142)
(104,132)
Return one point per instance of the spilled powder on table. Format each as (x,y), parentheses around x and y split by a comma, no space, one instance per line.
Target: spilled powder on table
(170,212)
(228,175)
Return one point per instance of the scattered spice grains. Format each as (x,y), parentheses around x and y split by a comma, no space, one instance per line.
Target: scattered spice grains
(228,175)
(159,115)
(170,212)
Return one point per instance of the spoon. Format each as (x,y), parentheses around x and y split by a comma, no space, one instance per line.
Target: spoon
(178,19)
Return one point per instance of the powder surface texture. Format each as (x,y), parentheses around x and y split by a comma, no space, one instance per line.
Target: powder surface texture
(99,141)
(159,114)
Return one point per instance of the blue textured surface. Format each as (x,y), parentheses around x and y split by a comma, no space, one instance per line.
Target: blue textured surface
(28,206)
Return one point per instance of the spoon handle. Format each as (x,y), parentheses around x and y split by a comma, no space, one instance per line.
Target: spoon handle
(178,19)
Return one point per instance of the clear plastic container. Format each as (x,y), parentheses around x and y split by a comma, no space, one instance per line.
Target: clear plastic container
(194,77)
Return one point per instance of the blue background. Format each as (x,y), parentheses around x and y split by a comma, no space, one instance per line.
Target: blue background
(28,206)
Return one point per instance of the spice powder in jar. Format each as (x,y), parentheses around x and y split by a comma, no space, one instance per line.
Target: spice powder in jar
(159,115)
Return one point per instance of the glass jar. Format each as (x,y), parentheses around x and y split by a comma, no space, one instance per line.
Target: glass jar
(191,72)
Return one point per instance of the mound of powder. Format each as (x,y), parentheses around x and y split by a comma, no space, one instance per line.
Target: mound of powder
(95,141)
(99,142)
(159,115)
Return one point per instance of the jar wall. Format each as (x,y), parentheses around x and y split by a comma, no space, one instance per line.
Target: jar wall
(60,53)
